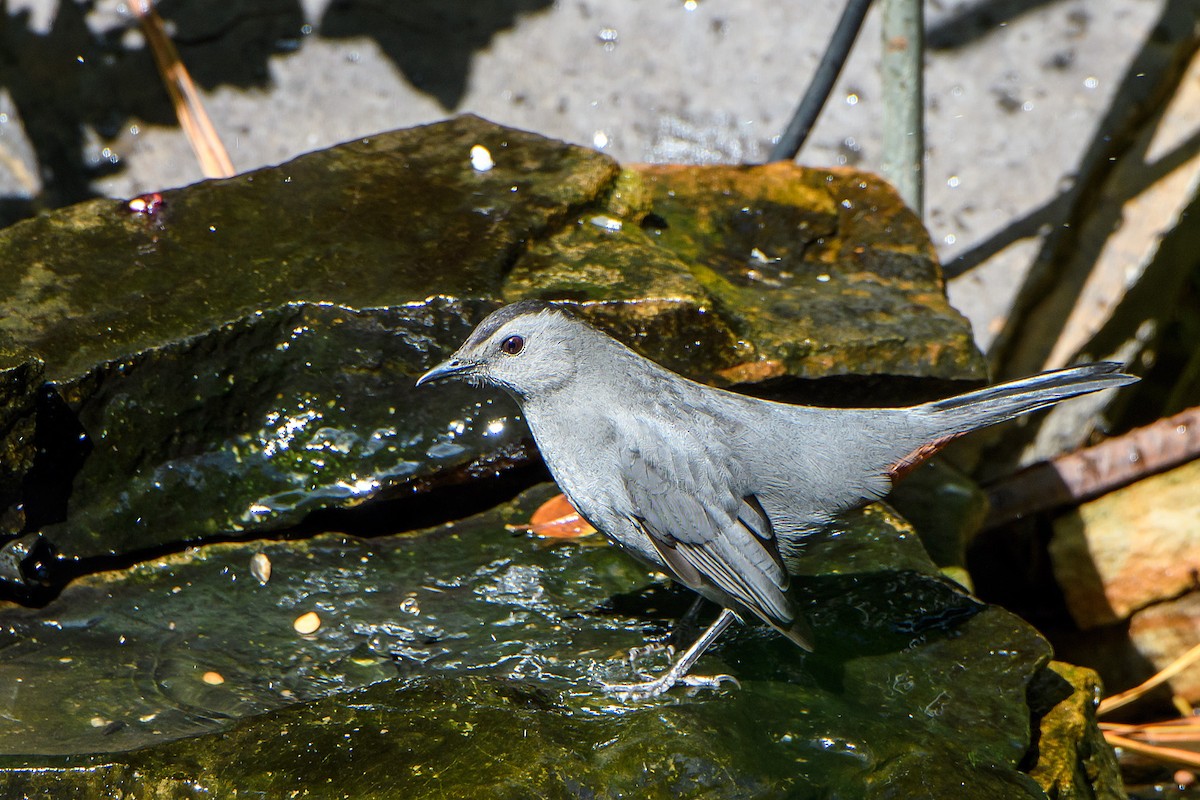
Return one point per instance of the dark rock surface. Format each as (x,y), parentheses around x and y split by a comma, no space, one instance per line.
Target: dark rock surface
(463,661)
(19,382)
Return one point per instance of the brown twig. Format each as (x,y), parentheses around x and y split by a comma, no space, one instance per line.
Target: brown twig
(1170,755)
(1093,471)
(1154,732)
(1183,723)
(196,125)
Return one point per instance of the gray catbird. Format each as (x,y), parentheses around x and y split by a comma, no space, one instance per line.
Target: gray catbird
(716,489)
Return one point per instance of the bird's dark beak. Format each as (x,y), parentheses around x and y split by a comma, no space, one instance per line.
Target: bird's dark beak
(450,368)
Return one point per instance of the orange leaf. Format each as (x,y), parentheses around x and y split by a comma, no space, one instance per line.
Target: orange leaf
(556,519)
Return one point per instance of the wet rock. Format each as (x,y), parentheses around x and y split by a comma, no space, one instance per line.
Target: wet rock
(268,418)
(1131,548)
(439,646)
(379,222)
(425,739)
(242,353)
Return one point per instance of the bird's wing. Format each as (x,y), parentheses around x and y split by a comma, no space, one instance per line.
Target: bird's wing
(684,495)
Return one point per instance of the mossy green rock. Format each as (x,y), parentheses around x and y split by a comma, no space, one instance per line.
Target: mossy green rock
(463,661)
(1074,762)
(815,270)
(243,353)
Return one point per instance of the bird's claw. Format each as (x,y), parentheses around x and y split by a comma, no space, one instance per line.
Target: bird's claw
(708,681)
(632,692)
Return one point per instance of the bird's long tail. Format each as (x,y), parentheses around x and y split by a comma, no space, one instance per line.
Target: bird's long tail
(979,409)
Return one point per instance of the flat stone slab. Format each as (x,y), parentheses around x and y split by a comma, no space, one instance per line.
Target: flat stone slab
(1130,549)
(465,661)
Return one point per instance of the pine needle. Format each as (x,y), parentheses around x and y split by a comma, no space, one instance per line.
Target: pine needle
(1170,755)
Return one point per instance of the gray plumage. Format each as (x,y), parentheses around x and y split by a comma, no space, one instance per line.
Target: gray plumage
(717,489)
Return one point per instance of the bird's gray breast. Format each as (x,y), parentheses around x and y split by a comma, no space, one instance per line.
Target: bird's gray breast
(627,458)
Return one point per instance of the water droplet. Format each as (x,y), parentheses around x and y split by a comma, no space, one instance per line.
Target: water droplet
(952,181)
(481,159)
(608,37)
(606,223)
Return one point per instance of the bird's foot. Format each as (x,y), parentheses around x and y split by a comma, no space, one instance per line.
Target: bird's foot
(631,692)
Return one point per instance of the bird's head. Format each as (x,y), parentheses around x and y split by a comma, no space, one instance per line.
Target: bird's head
(529,349)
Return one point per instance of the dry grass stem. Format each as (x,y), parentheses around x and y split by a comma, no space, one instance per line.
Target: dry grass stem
(196,125)
(1182,730)
(1169,755)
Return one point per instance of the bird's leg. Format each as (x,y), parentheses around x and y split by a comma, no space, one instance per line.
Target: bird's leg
(689,623)
(678,671)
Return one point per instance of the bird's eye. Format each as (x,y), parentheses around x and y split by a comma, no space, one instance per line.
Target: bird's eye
(512,345)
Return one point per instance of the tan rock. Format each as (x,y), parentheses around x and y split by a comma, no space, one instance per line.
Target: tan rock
(1136,546)
(1164,632)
